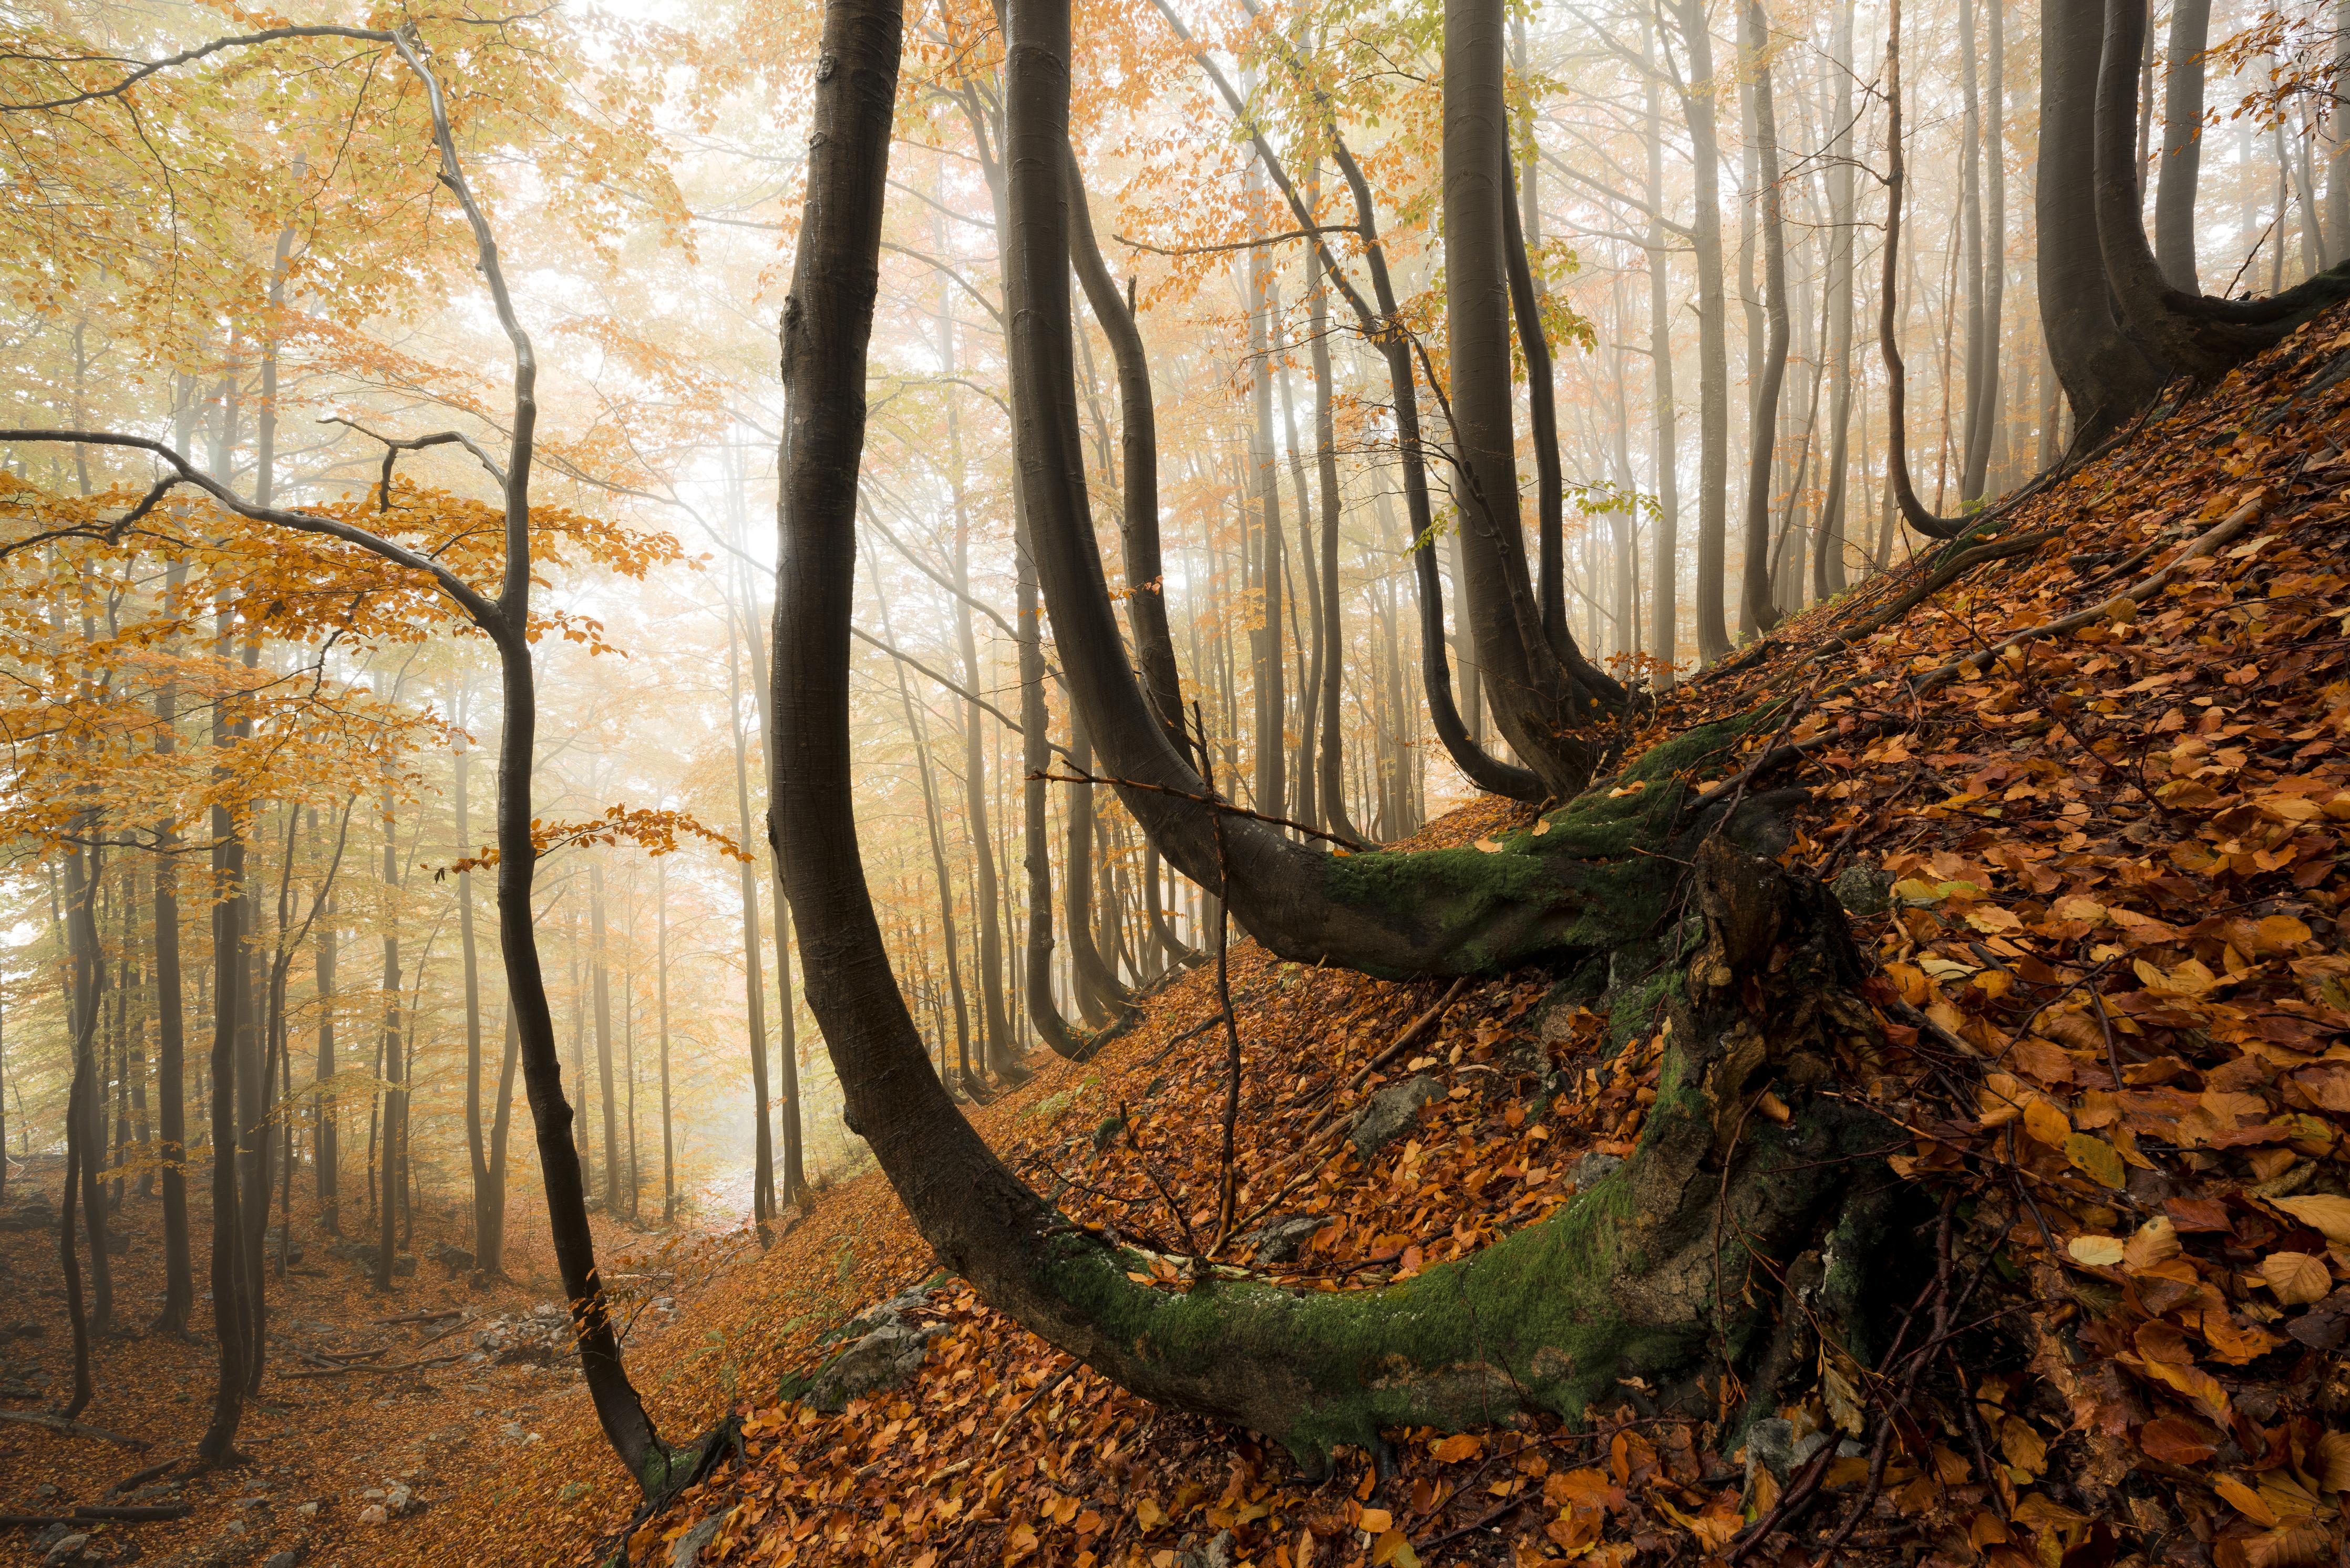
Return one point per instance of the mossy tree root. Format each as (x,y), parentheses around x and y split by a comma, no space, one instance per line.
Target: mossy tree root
(1664,1272)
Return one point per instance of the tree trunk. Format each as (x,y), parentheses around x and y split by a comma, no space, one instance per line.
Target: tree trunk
(1712,332)
(476,1142)
(1036,760)
(1827,561)
(328,1156)
(394,1093)
(601,957)
(754,985)
(1664,637)
(1541,694)
(1265,492)
(88,982)
(1304,790)
(1971,249)
(997,1052)
(229,1002)
(661,992)
(1986,366)
(1756,609)
(171,1039)
(1099,996)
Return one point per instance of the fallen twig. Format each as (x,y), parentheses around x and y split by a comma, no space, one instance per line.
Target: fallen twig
(72,1429)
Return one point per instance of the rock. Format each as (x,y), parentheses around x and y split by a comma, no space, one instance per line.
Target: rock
(687,1552)
(45,1489)
(881,1359)
(456,1259)
(1594,1168)
(281,1560)
(1216,1554)
(50,1537)
(1772,1444)
(65,1550)
(1392,1112)
(1862,889)
(1278,1243)
(373,1513)
(399,1501)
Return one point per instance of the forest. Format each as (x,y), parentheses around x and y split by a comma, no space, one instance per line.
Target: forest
(1175,784)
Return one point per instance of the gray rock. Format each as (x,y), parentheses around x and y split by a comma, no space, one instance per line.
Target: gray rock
(1392,1112)
(281,1560)
(882,1358)
(687,1553)
(1862,889)
(1594,1168)
(1772,1444)
(50,1537)
(1279,1241)
(65,1550)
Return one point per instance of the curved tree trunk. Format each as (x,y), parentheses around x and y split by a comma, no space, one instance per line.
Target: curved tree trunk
(2193,333)
(1036,851)
(1330,765)
(1620,1282)
(2108,378)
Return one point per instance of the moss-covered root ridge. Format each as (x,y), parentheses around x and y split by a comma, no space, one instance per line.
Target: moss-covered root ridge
(1659,1271)
(1593,874)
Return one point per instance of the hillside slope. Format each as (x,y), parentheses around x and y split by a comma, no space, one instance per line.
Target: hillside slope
(2098,865)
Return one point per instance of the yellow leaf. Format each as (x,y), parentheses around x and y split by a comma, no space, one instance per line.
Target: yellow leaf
(2096,1251)
(2045,1123)
(1459,1447)
(1149,1514)
(1991,917)
(2320,1212)
(2095,1157)
(2024,1448)
(2333,1465)
(2282,933)
(1394,1547)
(2002,1100)
(2155,1240)
(1020,1542)
(2245,1501)
(2297,1278)
(1490,846)
(1374,1520)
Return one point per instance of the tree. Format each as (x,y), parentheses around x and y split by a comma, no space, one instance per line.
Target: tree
(504,616)
(1557,1313)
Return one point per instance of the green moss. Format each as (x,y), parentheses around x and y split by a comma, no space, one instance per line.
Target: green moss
(1600,873)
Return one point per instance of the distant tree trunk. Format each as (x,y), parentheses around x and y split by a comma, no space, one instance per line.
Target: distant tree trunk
(754,985)
(1988,421)
(2182,144)
(1757,606)
(1664,639)
(661,992)
(1827,561)
(229,1002)
(2337,128)
(1265,487)
(328,1156)
(485,1192)
(997,1050)
(490,1244)
(89,985)
(1971,249)
(1712,332)
(1099,996)
(1035,759)
(1304,779)
(919,732)
(600,956)
(1330,765)
(171,1039)
(387,1164)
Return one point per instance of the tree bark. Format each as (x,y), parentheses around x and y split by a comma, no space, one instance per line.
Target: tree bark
(754,985)
(1664,637)
(2194,334)
(601,979)
(476,1142)
(1712,332)
(1330,764)
(1827,561)
(1756,606)
(394,1093)
(170,1037)
(1264,492)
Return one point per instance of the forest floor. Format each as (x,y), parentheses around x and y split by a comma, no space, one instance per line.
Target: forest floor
(348,1419)
(2098,871)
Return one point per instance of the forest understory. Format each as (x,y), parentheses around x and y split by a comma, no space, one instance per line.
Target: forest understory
(2085,802)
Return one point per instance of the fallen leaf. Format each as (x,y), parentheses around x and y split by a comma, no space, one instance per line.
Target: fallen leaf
(2245,1501)
(2175,1441)
(2297,1278)
(2323,1212)
(1394,1547)
(2046,1123)
(2096,1251)
(1461,1445)
(2094,1155)
(1374,1520)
